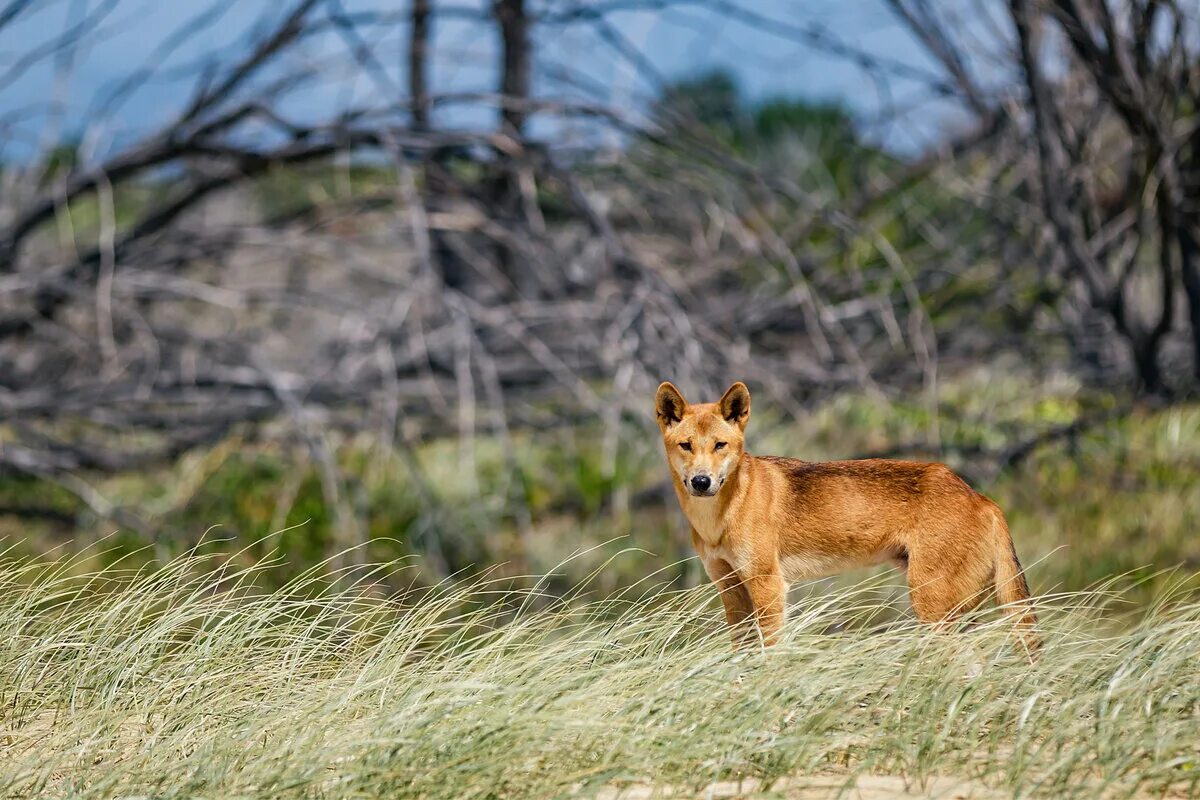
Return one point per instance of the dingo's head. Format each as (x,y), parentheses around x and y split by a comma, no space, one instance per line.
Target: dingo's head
(704,440)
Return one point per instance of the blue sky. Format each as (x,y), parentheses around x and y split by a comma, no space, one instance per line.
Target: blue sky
(40,102)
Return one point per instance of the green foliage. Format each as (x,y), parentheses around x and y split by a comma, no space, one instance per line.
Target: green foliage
(715,101)
(780,118)
(24,492)
(712,99)
(288,192)
(60,161)
(1125,500)
(806,140)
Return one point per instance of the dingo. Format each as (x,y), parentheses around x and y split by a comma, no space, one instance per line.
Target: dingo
(761,522)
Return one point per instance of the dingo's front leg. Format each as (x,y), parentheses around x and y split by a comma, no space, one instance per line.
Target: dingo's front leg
(735,598)
(768,593)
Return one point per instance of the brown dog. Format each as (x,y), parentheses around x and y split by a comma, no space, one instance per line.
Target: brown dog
(761,522)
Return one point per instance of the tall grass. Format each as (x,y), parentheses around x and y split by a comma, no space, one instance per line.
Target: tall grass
(187,680)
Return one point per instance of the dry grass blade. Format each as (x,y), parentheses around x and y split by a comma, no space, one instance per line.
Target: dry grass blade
(187,680)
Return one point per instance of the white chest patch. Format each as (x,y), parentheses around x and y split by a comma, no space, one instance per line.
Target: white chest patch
(702,514)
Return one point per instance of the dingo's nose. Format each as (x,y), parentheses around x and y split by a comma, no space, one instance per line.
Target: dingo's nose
(701,483)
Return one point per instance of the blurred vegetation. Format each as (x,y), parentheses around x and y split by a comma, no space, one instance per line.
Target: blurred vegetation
(1120,498)
(789,137)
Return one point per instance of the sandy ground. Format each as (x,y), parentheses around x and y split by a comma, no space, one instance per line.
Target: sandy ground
(865,787)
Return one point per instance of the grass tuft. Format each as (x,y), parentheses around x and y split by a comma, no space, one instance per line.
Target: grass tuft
(188,679)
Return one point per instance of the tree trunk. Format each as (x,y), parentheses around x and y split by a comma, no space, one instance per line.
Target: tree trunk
(1189,247)
(515,66)
(1060,202)
(507,200)
(418,57)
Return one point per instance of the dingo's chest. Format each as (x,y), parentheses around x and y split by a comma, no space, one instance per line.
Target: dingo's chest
(705,518)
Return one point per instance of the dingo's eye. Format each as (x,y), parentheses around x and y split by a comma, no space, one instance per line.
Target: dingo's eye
(685,447)
(720,445)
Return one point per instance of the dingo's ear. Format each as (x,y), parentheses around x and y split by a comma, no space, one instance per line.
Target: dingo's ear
(735,405)
(668,405)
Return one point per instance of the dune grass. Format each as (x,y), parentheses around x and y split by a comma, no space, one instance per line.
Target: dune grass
(186,680)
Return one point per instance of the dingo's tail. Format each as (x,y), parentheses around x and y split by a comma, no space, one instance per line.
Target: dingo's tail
(1011,589)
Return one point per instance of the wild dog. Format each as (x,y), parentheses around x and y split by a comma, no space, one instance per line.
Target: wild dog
(760,522)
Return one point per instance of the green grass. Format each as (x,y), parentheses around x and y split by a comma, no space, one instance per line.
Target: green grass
(189,680)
